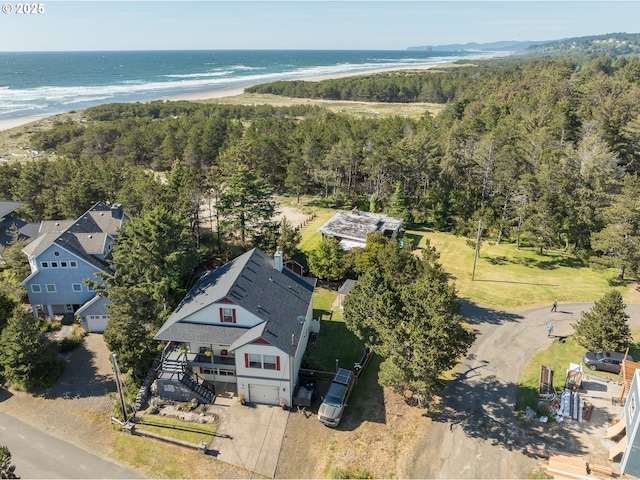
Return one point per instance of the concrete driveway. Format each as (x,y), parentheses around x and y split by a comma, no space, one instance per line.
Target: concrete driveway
(249,436)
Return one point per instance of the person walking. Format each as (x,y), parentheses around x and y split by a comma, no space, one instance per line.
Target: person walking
(554,307)
(549,329)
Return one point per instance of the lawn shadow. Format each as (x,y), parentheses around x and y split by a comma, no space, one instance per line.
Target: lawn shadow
(476,314)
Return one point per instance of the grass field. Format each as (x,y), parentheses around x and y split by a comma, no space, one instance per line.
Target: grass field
(509,278)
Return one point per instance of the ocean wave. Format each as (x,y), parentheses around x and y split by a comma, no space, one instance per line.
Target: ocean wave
(50,98)
(200,75)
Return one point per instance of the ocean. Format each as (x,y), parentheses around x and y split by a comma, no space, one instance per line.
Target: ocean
(46,83)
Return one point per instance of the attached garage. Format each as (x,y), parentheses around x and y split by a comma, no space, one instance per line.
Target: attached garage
(266,394)
(96,323)
(94,315)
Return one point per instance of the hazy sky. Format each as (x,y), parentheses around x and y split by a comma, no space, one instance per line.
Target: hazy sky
(388,25)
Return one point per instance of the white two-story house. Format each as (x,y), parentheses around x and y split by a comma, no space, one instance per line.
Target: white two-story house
(64,255)
(248,322)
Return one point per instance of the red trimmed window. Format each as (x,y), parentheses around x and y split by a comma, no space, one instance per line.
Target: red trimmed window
(227,315)
(265,362)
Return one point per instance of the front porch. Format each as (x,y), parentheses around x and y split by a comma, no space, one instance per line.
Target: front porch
(184,375)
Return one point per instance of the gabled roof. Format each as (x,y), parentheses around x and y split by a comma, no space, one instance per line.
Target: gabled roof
(7,207)
(85,237)
(95,305)
(355,225)
(251,282)
(26,230)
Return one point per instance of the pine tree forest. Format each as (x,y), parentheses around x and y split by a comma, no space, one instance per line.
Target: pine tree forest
(545,151)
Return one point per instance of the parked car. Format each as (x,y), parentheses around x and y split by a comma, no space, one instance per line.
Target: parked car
(605,361)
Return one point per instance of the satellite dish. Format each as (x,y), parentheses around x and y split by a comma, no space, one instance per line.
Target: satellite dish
(302,319)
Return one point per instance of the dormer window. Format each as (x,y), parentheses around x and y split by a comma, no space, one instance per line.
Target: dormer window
(228,315)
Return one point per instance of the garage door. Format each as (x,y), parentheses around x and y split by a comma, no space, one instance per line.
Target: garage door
(264,394)
(97,323)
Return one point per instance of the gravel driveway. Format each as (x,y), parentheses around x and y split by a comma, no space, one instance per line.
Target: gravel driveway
(477,435)
(88,377)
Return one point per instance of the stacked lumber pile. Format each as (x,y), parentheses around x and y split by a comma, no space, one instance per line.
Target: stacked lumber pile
(564,466)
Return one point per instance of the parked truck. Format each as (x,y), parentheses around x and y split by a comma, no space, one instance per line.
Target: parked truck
(335,401)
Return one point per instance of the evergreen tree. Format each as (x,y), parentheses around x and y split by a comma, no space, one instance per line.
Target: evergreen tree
(155,255)
(27,361)
(605,327)
(7,305)
(326,260)
(246,202)
(129,333)
(619,241)
(153,261)
(405,310)
(7,469)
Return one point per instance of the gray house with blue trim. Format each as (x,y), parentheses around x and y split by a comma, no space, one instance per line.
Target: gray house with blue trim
(65,254)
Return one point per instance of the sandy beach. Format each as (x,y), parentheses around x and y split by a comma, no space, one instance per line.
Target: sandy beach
(228,92)
(10,123)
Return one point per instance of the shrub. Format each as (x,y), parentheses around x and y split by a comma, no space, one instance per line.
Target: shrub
(73,339)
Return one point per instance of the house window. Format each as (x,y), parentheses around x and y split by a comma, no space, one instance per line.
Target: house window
(54,264)
(228,315)
(269,362)
(73,264)
(51,288)
(36,288)
(77,287)
(266,362)
(56,253)
(255,361)
(226,373)
(63,264)
(90,289)
(45,264)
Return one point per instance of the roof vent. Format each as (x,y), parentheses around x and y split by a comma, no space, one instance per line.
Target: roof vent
(293,339)
(90,236)
(302,319)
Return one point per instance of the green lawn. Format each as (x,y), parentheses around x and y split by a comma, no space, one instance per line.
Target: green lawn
(178,429)
(335,340)
(509,278)
(310,235)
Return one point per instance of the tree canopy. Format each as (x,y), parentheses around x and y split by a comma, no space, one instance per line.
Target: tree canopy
(28,360)
(404,308)
(606,326)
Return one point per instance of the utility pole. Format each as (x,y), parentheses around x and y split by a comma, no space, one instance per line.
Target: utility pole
(119,385)
(477,252)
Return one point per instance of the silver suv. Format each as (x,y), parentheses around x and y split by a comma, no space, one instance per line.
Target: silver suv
(605,361)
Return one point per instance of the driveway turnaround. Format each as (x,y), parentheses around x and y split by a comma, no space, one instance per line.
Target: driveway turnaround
(249,436)
(477,434)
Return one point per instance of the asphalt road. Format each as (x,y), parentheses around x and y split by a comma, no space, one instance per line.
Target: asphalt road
(38,455)
(477,435)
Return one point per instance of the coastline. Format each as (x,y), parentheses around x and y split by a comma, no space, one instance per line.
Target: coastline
(233,91)
(9,123)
